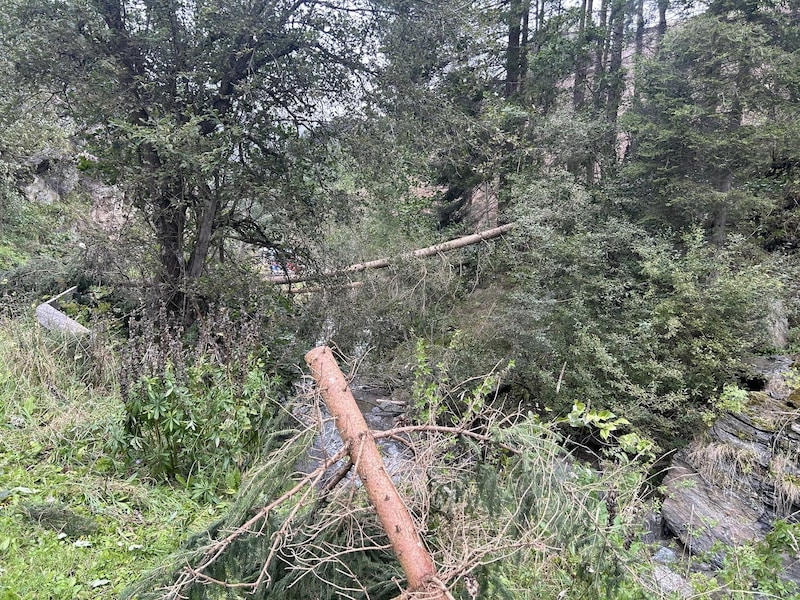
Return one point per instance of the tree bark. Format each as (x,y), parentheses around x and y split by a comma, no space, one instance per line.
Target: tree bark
(601,50)
(513,49)
(661,29)
(639,27)
(582,59)
(415,560)
(616,80)
(205,233)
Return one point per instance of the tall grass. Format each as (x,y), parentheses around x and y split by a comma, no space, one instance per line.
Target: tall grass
(75,522)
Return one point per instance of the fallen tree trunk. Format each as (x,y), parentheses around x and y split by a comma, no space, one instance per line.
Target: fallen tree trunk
(415,560)
(382,263)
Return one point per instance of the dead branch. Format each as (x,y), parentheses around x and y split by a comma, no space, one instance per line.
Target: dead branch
(415,560)
(395,434)
(382,263)
(192,574)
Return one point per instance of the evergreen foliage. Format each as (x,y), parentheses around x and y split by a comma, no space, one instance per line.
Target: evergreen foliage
(521,503)
(713,109)
(638,326)
(654,248)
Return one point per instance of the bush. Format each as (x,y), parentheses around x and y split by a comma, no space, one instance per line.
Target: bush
(203,422)
(602,312)
(200,401)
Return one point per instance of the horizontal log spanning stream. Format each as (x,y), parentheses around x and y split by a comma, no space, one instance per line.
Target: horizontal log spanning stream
(382,263)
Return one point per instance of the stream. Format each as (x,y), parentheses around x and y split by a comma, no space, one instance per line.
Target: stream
(380,411)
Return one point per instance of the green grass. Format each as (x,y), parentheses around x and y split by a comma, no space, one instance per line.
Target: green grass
(75,521)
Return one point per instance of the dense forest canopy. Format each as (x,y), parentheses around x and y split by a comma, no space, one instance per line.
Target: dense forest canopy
(645,155)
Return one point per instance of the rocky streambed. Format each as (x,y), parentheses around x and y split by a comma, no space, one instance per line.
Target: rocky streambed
(381,412)
(728,487)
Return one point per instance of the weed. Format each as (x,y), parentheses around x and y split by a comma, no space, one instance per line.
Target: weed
(725,464)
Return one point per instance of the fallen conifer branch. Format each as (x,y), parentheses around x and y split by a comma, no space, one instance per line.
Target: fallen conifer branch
(192,574)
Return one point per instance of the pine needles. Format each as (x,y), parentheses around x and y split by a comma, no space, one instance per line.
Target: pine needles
(485,498)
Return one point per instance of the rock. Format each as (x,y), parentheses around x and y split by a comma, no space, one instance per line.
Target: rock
(669,582)
(778,330)
(700,514)
(380,412)
(41,192)
(54,177)
(653,527)
(730,486)
(665,555)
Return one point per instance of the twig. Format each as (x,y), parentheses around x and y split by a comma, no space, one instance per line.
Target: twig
(192,574)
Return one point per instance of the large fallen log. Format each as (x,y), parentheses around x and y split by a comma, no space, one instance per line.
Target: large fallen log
(382,263)
(415,560)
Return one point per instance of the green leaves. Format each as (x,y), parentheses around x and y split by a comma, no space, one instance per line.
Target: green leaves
(604,421)
(205,421)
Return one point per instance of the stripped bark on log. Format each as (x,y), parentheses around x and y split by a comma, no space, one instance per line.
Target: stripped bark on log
(382,263)
(415,560)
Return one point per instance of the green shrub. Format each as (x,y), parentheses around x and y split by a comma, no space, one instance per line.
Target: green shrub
(601,311)
(201,400)
(205,422)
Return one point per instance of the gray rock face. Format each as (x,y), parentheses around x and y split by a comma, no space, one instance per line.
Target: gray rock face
(701,513)
(54,177)
(669,582)
(744,474)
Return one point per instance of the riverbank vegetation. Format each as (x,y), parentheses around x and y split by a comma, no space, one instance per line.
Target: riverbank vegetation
(206,172)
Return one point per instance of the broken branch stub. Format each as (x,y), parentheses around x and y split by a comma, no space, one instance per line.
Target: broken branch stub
(415,560)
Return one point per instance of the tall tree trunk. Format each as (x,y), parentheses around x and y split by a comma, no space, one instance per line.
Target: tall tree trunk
(513,49)
(601,49)
(720,225)
(663,6)
(616,79)
(169,222)
(582,59)
(524,43)
(205,232)
(639,27)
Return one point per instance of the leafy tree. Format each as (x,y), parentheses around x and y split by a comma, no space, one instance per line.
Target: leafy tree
(206,113)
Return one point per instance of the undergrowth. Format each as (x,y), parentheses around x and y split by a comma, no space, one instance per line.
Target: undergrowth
(75,522)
